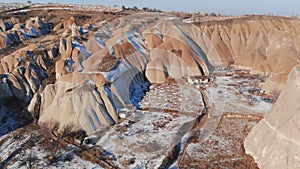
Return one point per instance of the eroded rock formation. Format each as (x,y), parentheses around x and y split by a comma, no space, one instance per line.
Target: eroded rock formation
(96,80)
(263,44)
(13,32)
(274,141)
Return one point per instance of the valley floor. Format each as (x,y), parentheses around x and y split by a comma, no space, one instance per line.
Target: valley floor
(178,124)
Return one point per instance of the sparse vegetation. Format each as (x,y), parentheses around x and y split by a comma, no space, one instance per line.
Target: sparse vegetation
(151,10)
(55,154)
(67,131)
(28,160)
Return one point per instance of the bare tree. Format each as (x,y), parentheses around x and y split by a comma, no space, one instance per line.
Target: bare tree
(213,14)
(67,130)
(29,161)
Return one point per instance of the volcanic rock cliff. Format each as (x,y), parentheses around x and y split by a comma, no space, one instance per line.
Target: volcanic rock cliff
(95,81)
(263,44)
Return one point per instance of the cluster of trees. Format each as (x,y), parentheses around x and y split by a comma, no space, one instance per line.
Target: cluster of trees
(185,15)
(151,10)
(144,9)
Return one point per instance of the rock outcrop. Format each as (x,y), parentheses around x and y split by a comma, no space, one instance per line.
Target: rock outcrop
(103,74)
(22,74)
(83,106)
(263,44)
(174,52)
(23,71)
(274,141)
(12,32)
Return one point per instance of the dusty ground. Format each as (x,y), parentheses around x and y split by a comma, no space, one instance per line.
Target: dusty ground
(225,146)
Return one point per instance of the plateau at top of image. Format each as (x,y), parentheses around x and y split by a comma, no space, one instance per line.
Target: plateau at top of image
(231,7)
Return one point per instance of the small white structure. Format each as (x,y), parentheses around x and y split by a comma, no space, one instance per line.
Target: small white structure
(196,80)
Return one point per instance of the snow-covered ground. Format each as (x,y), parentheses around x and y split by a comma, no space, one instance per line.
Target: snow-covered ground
(24,148)
(229,92)
(174,97)
(145,137)
(233,111)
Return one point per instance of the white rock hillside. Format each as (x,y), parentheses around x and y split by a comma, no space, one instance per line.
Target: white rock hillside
(275,141)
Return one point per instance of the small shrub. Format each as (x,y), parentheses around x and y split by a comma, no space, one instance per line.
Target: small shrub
(53,126)
(29,161)
(67,130)
(55,156)
(55,149)
(68,157)
(16,136)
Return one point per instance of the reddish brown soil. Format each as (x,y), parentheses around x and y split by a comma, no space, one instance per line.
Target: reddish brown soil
(224,148)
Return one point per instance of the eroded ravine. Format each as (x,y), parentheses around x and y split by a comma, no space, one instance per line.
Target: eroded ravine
(178,150)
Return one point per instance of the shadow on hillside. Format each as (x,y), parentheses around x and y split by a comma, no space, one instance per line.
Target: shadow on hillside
(12,116)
